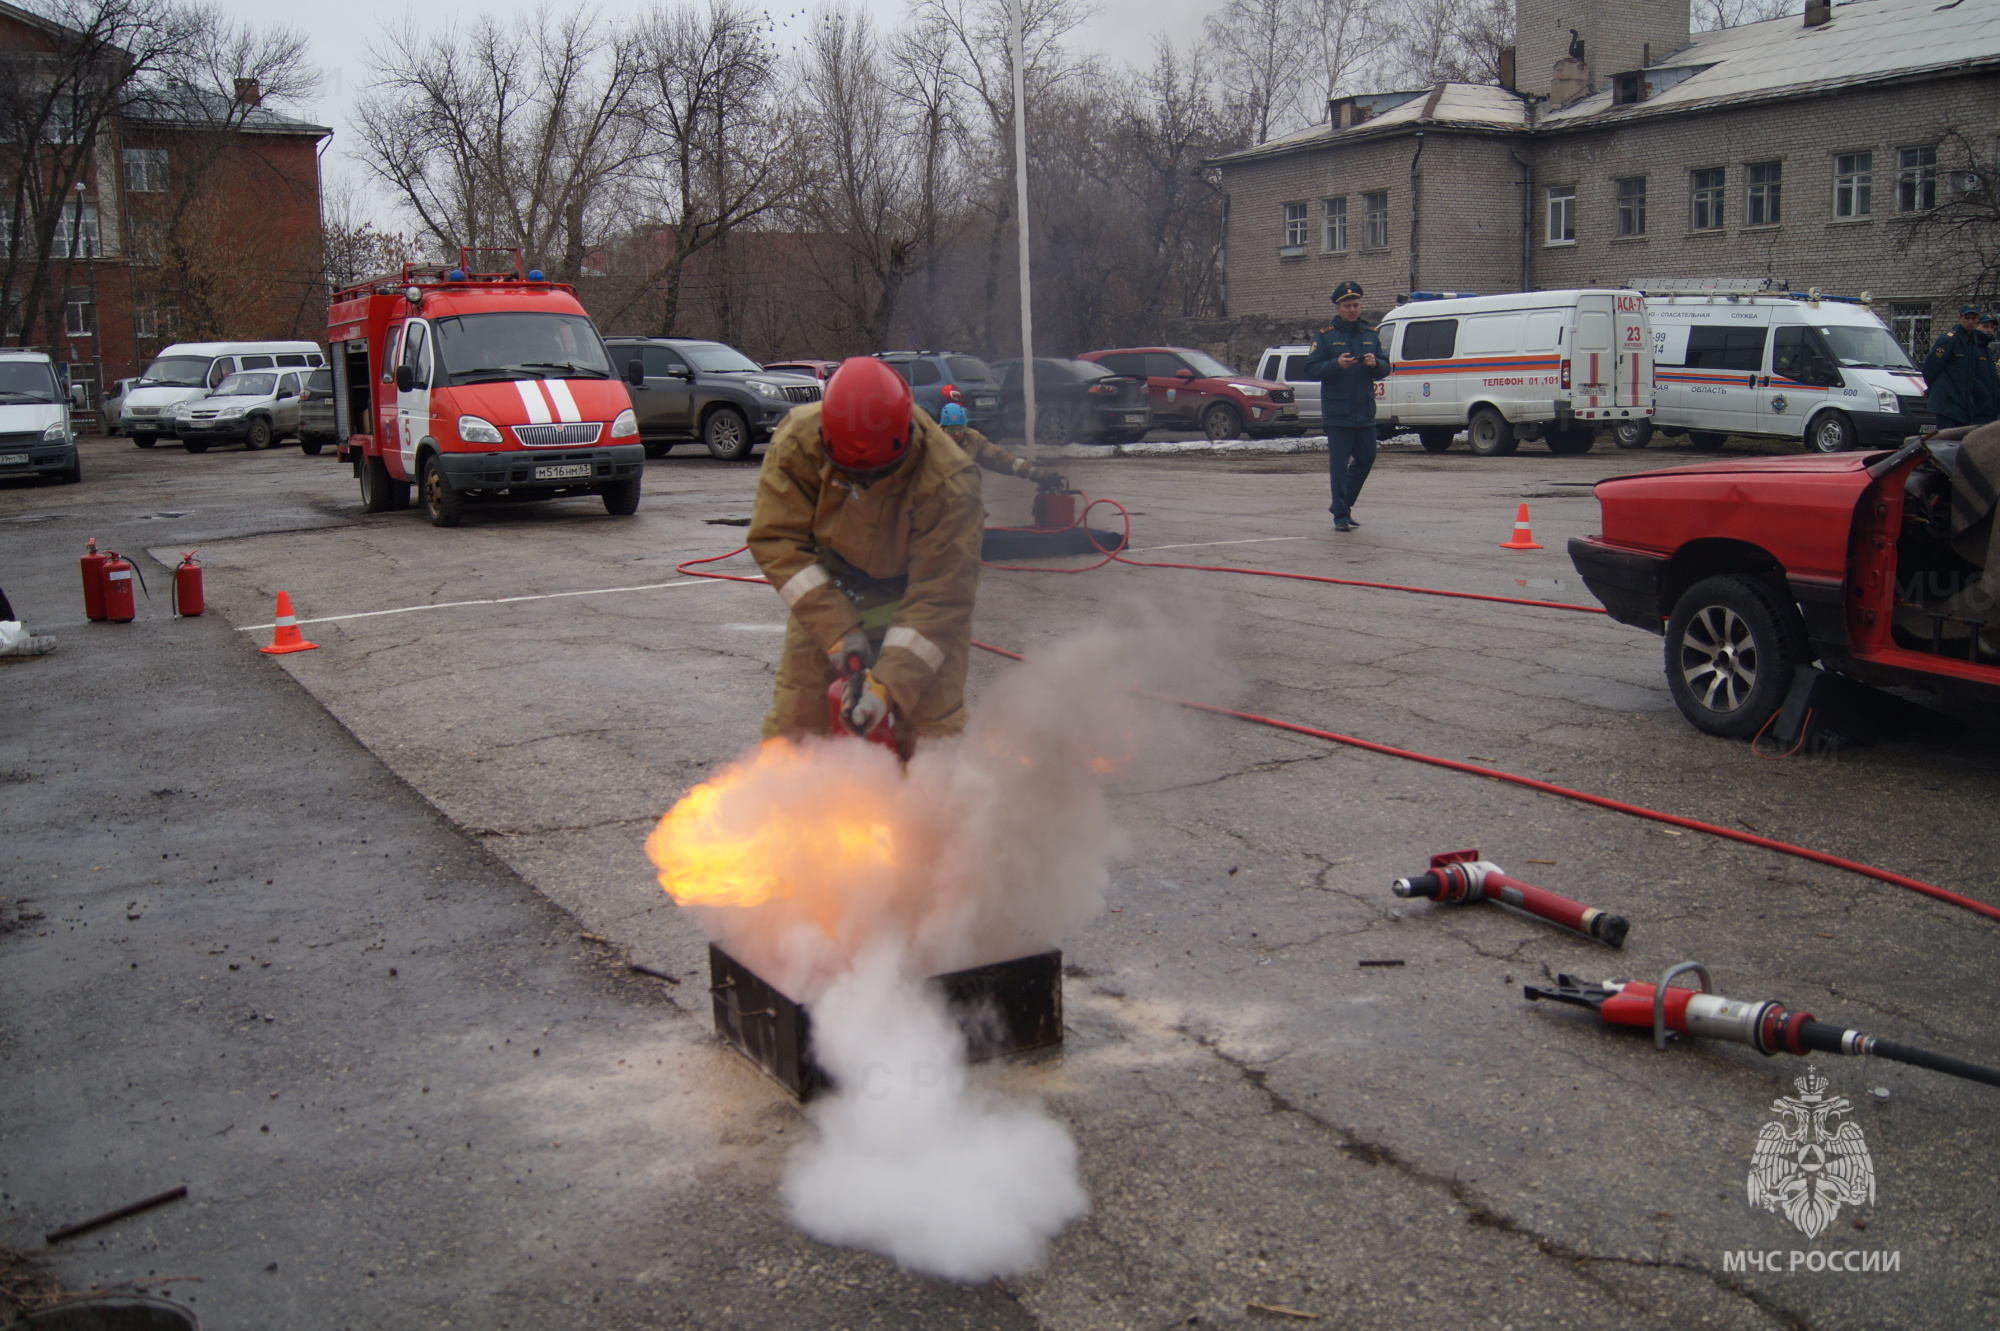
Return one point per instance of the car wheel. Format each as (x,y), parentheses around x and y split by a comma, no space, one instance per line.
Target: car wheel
(1831,432)
(1436,439)
(1576,439)
(727,434)
(1053,426)
(1706,441)
(1490,434)
(1222,421)
(443,505)
(621,498)
(195,445)
(261,435)
(73,473)
(1632,434)
(1731,650)
(380,492)
(309,447)
(145,440)
(658,448)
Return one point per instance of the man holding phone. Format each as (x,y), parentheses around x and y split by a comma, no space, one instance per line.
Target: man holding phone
(1348,359)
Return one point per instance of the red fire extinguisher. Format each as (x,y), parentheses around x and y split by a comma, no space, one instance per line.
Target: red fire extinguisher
(93,581)
(187,587)
(118,604)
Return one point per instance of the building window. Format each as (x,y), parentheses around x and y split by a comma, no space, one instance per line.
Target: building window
(1913,329)
(1627,89)
(79,313)
(1562,215)
(78,227)
(1853,184)
(1632,206)
(1375,214)
(1916,179)
(1706,214)
(1766,183)
(1335,239)
(145,170)
(1295,227)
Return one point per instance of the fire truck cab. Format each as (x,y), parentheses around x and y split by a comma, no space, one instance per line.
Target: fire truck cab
(488,384)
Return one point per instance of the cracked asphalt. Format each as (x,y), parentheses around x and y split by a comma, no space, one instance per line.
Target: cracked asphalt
(333,894)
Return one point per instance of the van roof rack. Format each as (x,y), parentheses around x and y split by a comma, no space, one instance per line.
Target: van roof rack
(1737,287)
(1441,295)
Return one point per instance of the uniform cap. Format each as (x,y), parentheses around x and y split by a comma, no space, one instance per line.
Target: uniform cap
(1344,290)
(953,414)
(865,417)
(1965,310)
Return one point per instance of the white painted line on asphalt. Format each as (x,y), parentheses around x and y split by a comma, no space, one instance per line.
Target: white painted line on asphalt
(1195,545)
(496,600)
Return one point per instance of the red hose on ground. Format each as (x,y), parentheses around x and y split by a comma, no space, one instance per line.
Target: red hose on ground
(1550,788)
(690,569)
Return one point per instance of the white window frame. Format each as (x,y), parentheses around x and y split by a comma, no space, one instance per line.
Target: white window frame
(1333,226)
(1705,202)
(1764,202)
(1295,226)
(1631,206)
(1560,215)
(1916,178)
(86,235)
(1854,187)
(145,170)
(1375,219)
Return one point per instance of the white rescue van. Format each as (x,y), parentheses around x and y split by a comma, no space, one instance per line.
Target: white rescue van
(1796,366)
(1550,365)
(190,369)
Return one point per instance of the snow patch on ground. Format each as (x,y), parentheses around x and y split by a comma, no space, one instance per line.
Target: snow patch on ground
(1313,443)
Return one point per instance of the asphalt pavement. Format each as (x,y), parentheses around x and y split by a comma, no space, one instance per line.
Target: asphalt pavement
(343,940)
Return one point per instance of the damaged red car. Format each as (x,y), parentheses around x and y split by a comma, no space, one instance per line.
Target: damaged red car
(1752,568)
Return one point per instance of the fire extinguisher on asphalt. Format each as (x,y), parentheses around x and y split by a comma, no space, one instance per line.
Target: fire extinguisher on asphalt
(119,607)
(93,581)
(187,598)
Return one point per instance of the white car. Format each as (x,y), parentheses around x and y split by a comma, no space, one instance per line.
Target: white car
(1287,365)
(189,369)
(113,403)
(257,407)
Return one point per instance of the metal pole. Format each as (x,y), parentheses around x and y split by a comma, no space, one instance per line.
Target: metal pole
(1021,225)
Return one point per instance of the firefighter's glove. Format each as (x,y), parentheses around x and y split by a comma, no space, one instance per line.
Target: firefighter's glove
(1047,481)
(866,706)
(852,653)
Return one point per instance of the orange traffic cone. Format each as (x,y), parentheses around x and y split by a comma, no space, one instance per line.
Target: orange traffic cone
(288,638)
(1524,536)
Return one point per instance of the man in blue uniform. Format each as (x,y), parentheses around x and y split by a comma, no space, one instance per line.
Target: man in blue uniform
(1348,358)
(1959,371)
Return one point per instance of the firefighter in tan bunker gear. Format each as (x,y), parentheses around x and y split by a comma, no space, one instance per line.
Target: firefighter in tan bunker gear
(868,522)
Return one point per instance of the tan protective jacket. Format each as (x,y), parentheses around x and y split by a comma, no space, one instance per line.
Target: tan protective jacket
(924,522)
(991,456)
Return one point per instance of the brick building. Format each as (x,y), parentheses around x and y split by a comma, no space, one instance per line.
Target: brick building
(1808,150)
(192,215)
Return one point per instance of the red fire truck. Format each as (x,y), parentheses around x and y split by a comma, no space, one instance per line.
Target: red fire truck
(487,384)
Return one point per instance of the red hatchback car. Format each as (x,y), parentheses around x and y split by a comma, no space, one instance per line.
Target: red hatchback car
(1192,390)
(1754,567)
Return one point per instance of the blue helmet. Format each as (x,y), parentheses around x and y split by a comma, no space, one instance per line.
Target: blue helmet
(953,414)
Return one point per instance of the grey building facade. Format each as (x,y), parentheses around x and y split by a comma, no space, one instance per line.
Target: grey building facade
(1815,152)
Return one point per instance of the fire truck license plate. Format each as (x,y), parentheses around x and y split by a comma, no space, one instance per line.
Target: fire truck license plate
(562,473)
(13,459)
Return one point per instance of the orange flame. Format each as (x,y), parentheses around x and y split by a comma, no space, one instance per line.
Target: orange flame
(800,839)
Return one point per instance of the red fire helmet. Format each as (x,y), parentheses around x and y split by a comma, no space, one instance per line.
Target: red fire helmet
(865,417)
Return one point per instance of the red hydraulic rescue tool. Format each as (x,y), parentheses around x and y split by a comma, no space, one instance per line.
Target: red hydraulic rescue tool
(1460,875)
(1767,1027)
(845,692)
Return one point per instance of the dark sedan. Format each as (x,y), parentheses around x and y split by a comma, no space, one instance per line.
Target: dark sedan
(1075,401)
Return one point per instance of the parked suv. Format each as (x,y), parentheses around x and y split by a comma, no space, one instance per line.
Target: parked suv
(316,412)
(257,407)
(931,373)
(686,389)
(1192,390)
(1075,400)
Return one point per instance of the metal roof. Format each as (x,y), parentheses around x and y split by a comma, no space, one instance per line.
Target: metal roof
(201,109)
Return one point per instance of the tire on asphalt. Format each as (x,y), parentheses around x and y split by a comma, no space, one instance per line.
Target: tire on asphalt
(262,435)
(1576,439)
(1706,441)
(621,498)
(1436,438)
(1054,426)
(73,473)
(1732,647)
(378,488)
(1489,434)
(1830,432)
(1632,434)
(309,447)
(195,445)
(145,440)
(1220,421)
(444,506)
(727,434)
(657,448)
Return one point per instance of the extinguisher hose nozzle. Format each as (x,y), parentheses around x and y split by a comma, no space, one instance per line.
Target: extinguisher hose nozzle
(1423,885)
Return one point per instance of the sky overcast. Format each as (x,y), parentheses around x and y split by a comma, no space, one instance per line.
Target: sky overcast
(342,31)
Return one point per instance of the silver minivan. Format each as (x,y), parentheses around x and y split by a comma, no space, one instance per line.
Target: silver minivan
(256,407)
(189,369)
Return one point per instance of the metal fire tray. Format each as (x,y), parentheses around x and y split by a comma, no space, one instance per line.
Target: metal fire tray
(1004,1008)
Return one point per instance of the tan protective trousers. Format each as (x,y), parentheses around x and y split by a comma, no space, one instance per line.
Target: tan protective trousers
(798,696)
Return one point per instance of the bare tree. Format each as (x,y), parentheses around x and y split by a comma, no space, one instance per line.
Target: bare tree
(1265,64)
(1954,222)
(717,146)
(1449,41)
(1708,15)
(352,246)
(929,97)
(510,135)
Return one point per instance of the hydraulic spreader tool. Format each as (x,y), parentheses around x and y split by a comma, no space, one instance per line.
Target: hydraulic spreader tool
(1460,876)
(1768,1027)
